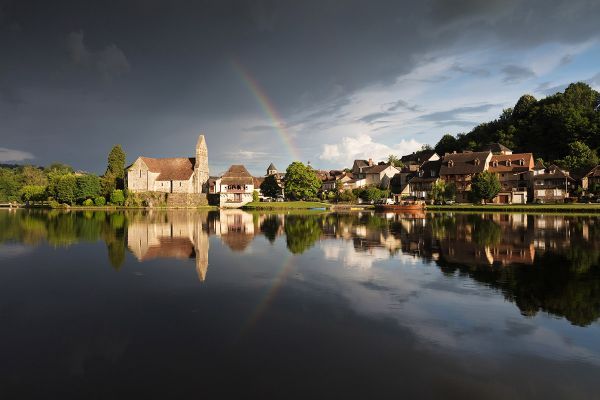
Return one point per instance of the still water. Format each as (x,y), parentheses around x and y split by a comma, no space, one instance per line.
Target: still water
(184,304)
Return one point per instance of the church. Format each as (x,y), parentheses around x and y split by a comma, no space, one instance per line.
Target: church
(187,175)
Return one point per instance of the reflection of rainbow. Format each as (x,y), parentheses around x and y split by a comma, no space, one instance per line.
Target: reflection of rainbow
(266,300)
(267,106)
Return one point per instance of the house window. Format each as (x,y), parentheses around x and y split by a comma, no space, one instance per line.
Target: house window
(494,163)
(451,163)
(433,173)
(140,173)
(179,184)
(477,161)
(508,163)
(521,162)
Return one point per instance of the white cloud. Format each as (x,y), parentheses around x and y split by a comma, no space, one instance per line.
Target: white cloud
(110,62)
(7,155)
(363,147)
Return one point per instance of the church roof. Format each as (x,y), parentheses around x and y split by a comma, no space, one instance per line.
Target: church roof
(238,175)
(271,167)
(171,169)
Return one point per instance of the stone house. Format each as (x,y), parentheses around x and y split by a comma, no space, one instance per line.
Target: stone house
(591,180)
(512,171)
(551,185)
(187,175)
(413,161)
(379,175)
(460,168)
(420,185)
(235,187)
(359,166)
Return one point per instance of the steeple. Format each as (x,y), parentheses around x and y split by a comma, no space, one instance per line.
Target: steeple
(201,165)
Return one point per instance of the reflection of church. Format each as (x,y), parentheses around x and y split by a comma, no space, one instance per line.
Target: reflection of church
(176,234)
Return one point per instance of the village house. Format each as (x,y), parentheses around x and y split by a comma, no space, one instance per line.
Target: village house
(170,175)
(379,175)
(460,168)
(550,185)
(359,165)
(497,148)
(235,187)
(420,185)
(512,172)
(413,161)
(591,181)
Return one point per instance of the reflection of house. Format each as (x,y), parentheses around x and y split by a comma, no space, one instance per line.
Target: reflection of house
(512,172)
(235,228)
(460,168)
(551,185)
(235,187)
(172,235)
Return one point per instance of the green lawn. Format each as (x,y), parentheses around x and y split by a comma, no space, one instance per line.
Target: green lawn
(285,205)
(573,207)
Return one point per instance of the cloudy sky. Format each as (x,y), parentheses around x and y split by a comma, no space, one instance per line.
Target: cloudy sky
(273,81)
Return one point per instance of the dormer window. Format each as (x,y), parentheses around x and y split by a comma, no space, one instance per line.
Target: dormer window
(476,161)
(451,163)
(494,163)
(508,163)
(432,173)
(521,162)
(420,173)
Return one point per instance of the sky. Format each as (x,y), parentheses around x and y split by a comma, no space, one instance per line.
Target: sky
(323,82)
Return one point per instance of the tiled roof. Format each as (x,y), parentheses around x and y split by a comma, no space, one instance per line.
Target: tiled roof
(238,175)
(553,172)
(594,173)
(171,169)
(375,169)
(258,181)
(417,157)
(464,163)
(271,167)
(496,148)
(501,161)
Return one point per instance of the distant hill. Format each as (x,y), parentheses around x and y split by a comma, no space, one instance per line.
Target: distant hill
(543,127)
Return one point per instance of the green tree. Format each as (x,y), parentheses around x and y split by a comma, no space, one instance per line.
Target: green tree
(9,184)
(115,171)
(394,161)
(88,186)
(66,189)
(33,176)
(447,144)
(270,187)
(301,181)
(117,197)
(33,193)
(485,186)
(438,191)
(580,158)
(255,196)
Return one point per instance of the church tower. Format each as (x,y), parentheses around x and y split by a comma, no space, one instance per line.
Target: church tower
(201,166)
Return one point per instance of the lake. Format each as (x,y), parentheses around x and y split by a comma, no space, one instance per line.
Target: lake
(182,304)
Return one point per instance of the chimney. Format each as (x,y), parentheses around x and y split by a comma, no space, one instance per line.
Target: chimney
(370,162)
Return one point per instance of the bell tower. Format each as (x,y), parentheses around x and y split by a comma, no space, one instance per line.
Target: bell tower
(201,166)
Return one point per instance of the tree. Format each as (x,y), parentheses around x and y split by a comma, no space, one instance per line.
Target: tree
(66,189)
(447,144)
(485,186)
(33,176)
(438,190)
(33,193)
(115,171)
(9,184)
(580,158)
(88,186)
(117,197)
(270,187)
(394,161)
(255,196)
(301,181)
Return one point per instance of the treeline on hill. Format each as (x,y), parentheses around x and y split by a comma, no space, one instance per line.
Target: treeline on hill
(563,128)
(60,184)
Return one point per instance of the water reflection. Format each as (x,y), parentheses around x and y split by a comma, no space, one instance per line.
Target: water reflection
(547,263)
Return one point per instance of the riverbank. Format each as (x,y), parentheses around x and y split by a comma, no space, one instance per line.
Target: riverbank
(539,208)
(286,205)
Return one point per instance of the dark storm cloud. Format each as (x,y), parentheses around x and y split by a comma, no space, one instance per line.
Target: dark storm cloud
(153,74)
(456,116)
(516,73)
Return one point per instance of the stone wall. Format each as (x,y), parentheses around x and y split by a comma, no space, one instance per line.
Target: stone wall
(184,200)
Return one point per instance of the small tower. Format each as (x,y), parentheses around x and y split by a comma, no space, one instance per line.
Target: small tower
(201,166)
(271,170)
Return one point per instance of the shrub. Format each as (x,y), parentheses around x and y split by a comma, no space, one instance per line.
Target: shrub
(117,197)
(88,202)
(53,203)
(255,197)
(100,201)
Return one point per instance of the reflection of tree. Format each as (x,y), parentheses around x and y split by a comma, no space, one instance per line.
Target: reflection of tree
(301,232)
(270,226)
(115,237)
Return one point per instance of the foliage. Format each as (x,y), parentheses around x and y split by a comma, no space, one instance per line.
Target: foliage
(270,187)
(301,181)
(438,189)
(347,196)
(66,189)
(33,176)
(301,232)
(117,197)
(114,177)
(9,184)
(580,158)
(394,161)
(100,201)
(33,193)
(538,126)
(88,186)
(255,196)
(371,194)
(485,186)
(88,202)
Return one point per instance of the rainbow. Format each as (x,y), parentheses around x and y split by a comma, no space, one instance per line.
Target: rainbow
(268,297)
(267,105)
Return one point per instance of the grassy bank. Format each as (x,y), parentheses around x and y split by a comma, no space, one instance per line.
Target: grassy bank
(285,205)
(539,208)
